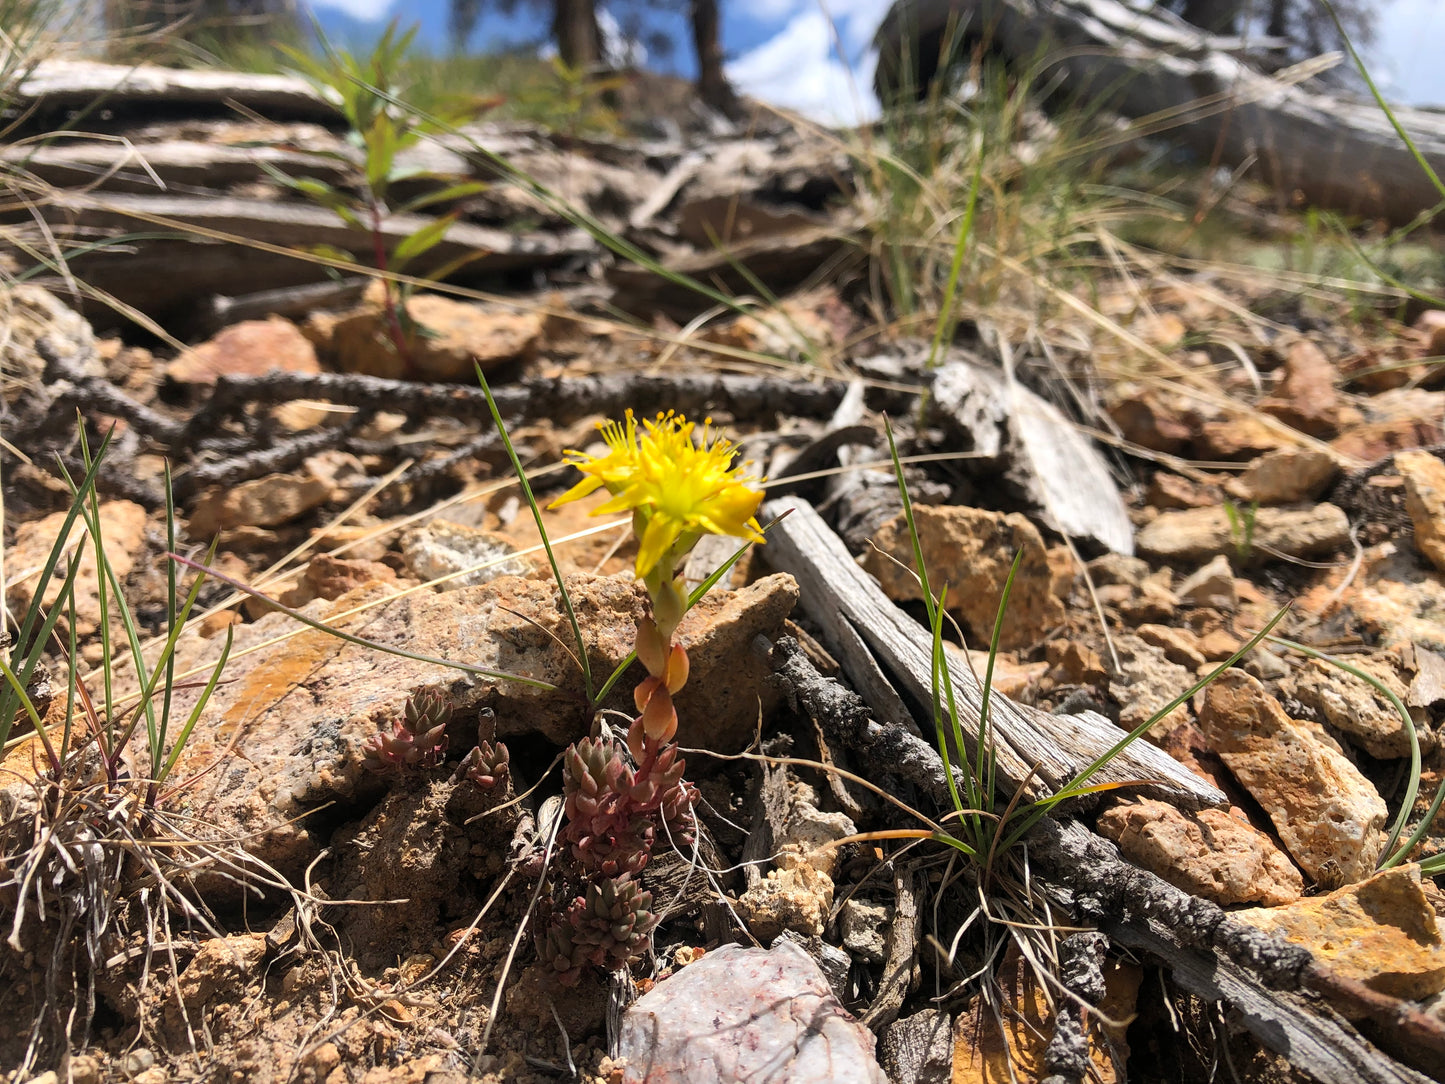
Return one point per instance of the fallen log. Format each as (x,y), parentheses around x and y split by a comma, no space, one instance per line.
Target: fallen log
(880,646)
(141,88)
(1313,146)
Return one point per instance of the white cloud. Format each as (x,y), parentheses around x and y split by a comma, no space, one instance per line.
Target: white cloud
(365,10)
(798,68)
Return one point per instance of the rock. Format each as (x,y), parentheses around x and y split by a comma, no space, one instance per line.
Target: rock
(1381,932)
(1212,586)
(1431,326)
(1286,475)
(1394,421)
(1306,398)
(1327,814)
(1179,645)
(798,898)
(1198,534)
(122,528)
(302,708)
(1073,663)
(1424,476)
(746,1014)
(971,551)
(1354,707)
(262,502)
(1427,686)
(29,314)
(798,894)
(1218,645)
(918,1049)
(862,924)
(250,348)
(1116,569)
(1209,853)
(835,964)
(444,549)
(1011,678)
(331,577)
(1142,420)
(1240,437)
(1169,490)
(1146,682)
(222,968)
(451,338)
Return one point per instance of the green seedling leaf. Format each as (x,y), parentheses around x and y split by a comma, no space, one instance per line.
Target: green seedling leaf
(445,195)
(423,240)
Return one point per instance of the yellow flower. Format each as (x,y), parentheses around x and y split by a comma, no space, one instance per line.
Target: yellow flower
(676,488)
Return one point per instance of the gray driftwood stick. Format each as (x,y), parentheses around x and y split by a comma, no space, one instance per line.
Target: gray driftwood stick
(837,593)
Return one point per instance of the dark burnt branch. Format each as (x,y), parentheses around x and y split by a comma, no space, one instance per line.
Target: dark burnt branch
(561,400)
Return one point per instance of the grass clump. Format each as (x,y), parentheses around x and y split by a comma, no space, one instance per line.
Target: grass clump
(88,773)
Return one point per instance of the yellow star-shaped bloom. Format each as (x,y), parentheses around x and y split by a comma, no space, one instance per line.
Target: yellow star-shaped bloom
(678,489)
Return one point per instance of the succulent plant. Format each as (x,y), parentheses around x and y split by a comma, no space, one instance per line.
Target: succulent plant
(489,764)
(418,739)
(614,812)
(608,928)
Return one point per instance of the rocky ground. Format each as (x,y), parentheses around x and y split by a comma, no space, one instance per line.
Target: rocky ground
(1257,448)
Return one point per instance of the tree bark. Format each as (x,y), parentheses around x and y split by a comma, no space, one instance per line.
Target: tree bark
(712,85)
(1215,16)
(579,41)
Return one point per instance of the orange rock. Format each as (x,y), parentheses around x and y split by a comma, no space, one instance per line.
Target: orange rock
(1327,814)
(1382,932)
(250,348)
(1209,853)
(1306,398)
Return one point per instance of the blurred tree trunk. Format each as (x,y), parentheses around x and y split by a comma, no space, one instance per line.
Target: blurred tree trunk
(712,85)
(1216,16)
(574,27)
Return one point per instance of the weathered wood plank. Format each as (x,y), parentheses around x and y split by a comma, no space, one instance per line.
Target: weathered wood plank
(840,596)
(1335,151)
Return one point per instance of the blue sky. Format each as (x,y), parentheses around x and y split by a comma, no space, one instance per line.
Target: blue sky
(787,52)
(813,55)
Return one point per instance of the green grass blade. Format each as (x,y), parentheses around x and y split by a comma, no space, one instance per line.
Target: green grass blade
(1074,787)
(985,747)
(921,568)
(542,530)
(194,717)
(946,320)
(28,647)
(1420,159)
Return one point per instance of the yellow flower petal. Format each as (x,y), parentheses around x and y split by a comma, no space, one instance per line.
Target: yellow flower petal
(677,486)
